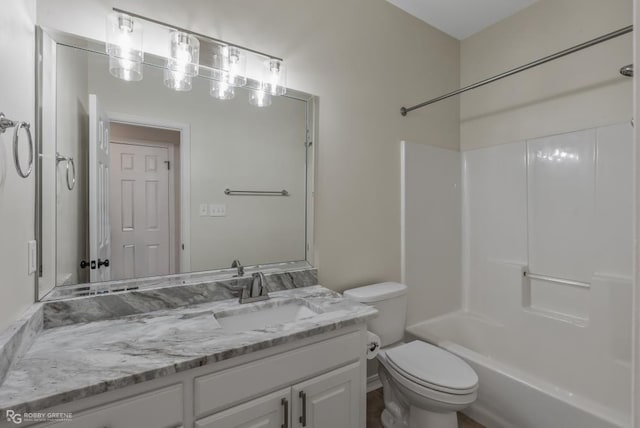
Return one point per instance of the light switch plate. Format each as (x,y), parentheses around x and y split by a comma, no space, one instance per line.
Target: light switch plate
(217,210)
(33,257)
(204,210)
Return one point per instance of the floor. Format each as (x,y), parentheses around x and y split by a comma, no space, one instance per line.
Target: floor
(375,405)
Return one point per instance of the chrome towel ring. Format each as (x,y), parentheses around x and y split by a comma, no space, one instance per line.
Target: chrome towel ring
(71,168)
(7,123)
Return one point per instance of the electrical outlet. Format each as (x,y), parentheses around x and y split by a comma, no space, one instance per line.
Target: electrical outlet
(32,257)
(217,210)
(204,210)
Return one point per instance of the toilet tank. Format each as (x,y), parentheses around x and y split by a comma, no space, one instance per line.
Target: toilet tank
(390,298)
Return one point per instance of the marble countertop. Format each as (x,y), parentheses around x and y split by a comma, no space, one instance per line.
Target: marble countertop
(70,362)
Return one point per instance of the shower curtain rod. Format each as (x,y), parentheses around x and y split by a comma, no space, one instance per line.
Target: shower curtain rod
(598,40)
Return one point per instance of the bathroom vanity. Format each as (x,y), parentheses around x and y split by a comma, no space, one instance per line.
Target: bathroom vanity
(294,360)
(146,194)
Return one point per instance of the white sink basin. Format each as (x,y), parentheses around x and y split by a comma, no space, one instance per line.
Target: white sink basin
(264,317)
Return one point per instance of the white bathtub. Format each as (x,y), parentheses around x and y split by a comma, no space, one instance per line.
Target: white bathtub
(520,388)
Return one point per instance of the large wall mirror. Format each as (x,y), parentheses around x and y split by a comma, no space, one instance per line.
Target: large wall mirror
(138,180)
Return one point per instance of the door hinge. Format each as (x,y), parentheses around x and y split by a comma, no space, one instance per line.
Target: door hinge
(168,165)
(307,142)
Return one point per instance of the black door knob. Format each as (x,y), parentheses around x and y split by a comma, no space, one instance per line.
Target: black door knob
(84,264)
(104,263)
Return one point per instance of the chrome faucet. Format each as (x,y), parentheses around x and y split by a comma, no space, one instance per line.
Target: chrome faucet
(255,291)
(236,264)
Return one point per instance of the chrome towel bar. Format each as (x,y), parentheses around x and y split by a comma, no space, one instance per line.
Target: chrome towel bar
(8,123)
(230,192)
(556,280)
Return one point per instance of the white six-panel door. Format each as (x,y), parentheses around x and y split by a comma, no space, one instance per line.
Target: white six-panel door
(99,225)
(139,211)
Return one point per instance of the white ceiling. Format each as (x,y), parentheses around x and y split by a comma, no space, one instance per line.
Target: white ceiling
(461,18)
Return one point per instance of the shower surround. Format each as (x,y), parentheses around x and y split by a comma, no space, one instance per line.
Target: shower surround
(557,349)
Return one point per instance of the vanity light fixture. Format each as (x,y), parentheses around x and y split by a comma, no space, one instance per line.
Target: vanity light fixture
(260,98)
(221,90)
(225,66)
(124,46)
(183,61)
(230,65)
(274,79)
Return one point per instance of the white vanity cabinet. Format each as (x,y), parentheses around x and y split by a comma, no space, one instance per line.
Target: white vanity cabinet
(331,400)
(315,382)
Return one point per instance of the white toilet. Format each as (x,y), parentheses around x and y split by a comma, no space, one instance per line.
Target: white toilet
(424,386)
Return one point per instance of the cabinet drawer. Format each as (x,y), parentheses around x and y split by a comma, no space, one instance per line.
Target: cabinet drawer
(157,409)
(215,391)
(269,411)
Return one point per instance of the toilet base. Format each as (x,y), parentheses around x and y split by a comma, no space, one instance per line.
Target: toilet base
(407,408)
(420,418)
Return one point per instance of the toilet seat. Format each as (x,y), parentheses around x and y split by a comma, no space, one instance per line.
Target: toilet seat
(423,395)
(432,368)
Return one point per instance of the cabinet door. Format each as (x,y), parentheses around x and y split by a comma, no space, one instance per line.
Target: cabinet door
(270,411)
(329,401)
(157,409)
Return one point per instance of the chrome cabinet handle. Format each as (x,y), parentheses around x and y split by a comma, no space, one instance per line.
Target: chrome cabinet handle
(303,417)
(285,404)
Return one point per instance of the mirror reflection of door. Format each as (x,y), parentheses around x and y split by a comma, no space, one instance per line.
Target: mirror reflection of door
(142,201)
(99,225)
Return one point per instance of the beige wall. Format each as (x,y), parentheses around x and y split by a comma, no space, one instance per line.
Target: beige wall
(580,91)
(364,59)
(16,194)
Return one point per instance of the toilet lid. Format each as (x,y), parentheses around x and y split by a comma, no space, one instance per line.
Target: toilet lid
(433,367)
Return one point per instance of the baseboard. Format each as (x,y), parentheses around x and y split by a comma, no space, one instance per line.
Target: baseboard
(373,383)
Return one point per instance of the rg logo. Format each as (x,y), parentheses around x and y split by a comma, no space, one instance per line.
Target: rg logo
(14,417)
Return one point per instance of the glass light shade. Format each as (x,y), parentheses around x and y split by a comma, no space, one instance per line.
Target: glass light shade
(183,61)
(222,90)
(184,56)
(274,77)
(125,69)
(230,63)
(124,46)
(177,81)
(260,98)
